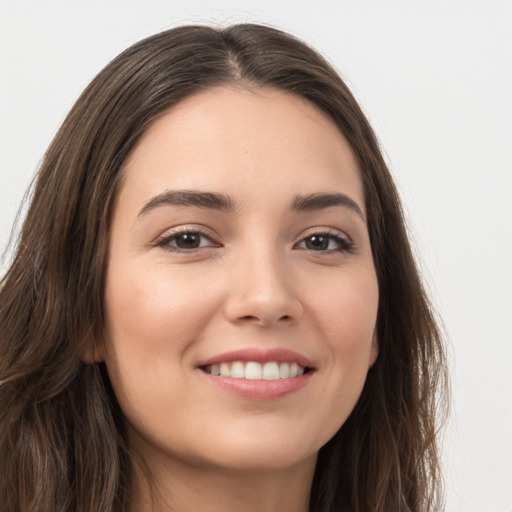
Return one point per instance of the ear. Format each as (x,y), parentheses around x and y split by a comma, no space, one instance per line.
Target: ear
(374,351)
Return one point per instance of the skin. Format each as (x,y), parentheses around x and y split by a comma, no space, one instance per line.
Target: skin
(254,281)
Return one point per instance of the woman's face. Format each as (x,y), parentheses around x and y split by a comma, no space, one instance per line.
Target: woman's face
(239,246)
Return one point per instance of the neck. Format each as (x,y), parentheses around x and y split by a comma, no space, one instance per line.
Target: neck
(176,486)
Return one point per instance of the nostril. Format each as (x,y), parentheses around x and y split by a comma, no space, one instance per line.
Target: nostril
(263,319)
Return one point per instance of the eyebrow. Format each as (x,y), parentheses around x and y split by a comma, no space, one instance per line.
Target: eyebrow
(210,200)
(223,202)
(319,201)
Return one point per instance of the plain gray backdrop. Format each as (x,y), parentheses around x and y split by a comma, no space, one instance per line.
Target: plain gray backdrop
(434,78)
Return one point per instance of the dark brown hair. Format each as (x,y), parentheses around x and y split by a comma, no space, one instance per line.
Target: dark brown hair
(61,432)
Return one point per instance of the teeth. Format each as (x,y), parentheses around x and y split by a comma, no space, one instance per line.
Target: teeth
(270,371)
(256,371)
(284,370)
(237,370)
(253,371)
(225,370)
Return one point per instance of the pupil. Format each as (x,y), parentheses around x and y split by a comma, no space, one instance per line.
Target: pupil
(317,242)
(188,241)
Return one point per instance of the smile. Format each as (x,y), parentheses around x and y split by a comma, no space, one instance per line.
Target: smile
(258,374)
(253,370)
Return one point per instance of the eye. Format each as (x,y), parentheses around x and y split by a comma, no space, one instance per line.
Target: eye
(325,242)
(185,241)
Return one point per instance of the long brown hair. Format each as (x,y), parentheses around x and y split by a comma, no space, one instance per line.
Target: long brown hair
(62,443)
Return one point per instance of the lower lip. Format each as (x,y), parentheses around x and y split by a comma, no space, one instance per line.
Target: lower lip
(259,389)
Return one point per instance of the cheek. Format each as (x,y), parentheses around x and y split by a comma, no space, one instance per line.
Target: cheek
(346,317)
(346,310)
(148,309)
(150,326)
(353,334)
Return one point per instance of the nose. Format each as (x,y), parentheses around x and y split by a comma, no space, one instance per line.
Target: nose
(262,291)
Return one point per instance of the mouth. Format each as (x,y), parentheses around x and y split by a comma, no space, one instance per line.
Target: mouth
(254,370)
(257,374)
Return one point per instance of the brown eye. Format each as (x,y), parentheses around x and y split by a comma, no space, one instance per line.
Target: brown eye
(317,242)
(325,242)
(188,240)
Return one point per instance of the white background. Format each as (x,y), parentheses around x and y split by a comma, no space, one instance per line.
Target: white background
(435,78)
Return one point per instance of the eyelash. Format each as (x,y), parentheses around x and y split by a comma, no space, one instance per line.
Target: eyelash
(165,241)
(344,245)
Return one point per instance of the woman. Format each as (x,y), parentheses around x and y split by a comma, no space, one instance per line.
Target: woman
(213,303)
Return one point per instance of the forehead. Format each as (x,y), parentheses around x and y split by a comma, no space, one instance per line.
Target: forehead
(244,142)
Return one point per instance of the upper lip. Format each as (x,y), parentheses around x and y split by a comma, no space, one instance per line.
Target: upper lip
(280,355)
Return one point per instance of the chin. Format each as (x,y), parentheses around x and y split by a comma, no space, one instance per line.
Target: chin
(262,451)
(269,460)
